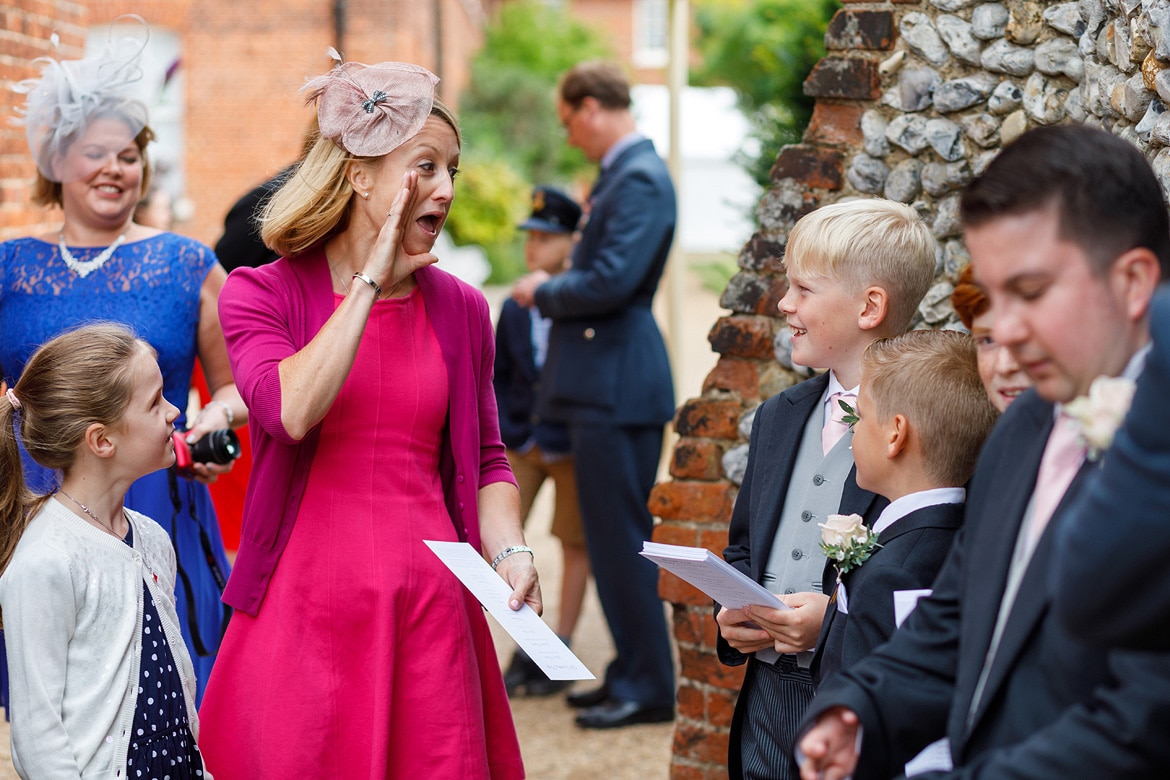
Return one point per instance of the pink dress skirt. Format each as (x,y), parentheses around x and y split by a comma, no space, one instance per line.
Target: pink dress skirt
(367,659)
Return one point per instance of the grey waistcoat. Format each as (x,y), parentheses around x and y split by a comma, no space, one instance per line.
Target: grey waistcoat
(795,562)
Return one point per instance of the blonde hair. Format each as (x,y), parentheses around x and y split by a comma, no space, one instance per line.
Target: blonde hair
(868,242)
(313,203)
(932,378)
(77,379)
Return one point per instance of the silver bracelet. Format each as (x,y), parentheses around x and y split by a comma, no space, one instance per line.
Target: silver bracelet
(511,551)
(368,280)
(227,410)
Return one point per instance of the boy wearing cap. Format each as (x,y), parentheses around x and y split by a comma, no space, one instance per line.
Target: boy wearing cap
(538,450)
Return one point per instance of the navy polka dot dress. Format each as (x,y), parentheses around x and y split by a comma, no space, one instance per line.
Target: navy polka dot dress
(161,745)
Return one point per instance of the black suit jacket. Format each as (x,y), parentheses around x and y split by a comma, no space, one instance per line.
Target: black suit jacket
(912,552)
(1053,706)
(775,441)
(240,245)
(1109,578)
(607,362)
(516,381)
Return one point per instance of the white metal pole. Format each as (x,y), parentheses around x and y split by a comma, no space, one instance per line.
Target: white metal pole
(675,268)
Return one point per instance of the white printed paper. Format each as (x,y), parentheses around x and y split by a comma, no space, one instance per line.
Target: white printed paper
(711,574)
(525,626)
(904,603)
(935,757)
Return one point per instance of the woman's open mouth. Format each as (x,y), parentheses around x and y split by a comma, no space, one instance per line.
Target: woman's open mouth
(430,224)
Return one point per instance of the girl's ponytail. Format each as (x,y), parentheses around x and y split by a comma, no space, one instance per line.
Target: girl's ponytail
(15,500)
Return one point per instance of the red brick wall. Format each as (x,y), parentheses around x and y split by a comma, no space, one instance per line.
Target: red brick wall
(24,35)
(247,62)
(615,18)
(244,64)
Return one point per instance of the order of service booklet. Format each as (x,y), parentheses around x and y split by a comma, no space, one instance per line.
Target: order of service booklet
(711,574)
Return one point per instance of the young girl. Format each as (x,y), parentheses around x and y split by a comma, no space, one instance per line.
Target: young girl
(101,682)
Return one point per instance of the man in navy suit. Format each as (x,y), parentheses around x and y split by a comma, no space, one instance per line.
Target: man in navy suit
(1068,236)
(1125,517)
(608,380)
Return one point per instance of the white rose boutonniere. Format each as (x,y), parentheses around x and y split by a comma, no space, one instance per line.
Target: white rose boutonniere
(847,541)
(1100,412)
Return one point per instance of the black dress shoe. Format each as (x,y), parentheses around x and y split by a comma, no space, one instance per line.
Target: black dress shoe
(615,714)
(521,673)
(591,698)
(545,686)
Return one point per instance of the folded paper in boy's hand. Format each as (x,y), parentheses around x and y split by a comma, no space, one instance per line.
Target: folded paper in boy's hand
(702,568)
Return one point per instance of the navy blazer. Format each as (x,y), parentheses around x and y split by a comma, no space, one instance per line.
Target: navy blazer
(775,441)
(1110,578)
(607,362)
(516,382)
(912,552)
(1052,706)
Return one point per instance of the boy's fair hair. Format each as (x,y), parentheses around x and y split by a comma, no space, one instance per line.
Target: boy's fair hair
(931,377)
(77,379)
(868,242)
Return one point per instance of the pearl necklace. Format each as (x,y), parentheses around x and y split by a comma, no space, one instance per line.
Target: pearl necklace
(84,268)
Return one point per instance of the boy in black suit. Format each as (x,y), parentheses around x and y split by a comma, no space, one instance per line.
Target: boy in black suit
(539,450)
(923,415)
(857,271)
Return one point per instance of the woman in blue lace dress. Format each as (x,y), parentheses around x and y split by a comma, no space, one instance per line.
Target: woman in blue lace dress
(89,139)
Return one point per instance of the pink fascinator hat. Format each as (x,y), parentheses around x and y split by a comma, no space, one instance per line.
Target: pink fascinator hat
(371,110)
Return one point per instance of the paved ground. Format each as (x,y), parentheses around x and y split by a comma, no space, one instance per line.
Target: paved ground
(553,747)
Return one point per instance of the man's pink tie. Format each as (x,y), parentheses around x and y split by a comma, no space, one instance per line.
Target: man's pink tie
(1062,459)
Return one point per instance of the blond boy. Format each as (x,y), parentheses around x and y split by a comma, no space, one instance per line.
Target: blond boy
(923,416)
(857,271)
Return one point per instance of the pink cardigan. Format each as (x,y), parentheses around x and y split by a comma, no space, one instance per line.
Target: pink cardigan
(269,313)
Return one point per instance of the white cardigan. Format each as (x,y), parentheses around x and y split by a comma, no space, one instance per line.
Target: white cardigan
(72,608)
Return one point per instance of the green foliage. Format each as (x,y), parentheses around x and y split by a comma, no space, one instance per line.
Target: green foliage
(511,131)
(764,49)
(491,199)
(716,274)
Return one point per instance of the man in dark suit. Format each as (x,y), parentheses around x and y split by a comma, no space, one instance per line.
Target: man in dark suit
(1068,235)
(1125,516)
(609,381)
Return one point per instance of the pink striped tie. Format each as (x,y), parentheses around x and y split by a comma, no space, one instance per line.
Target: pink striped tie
(835,428)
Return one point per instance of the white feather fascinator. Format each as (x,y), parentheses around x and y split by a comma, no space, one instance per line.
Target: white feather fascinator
(71,94)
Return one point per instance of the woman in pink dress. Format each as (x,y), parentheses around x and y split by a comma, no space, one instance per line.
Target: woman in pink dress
(354,653)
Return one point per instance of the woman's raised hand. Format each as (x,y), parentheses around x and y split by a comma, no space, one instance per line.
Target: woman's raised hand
(389,264)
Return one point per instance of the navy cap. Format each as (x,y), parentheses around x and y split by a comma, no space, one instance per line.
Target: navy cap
(552,211)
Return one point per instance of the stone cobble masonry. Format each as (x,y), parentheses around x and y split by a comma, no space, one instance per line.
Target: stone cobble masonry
(913,99)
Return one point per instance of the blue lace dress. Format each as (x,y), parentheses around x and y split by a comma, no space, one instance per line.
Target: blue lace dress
(152,286)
